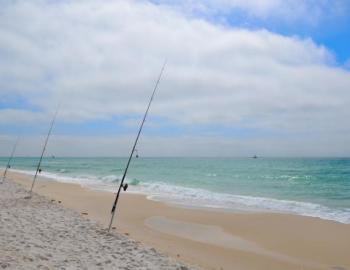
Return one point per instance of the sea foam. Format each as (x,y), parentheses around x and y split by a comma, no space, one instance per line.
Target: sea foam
(200,198)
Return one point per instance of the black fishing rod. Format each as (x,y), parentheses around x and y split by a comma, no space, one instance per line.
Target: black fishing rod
(122,185)
(38,169)
(8,166)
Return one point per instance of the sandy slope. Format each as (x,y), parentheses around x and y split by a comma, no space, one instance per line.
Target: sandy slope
(41,234)
(211,239)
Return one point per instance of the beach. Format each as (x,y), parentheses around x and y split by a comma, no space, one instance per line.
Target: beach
(39,233)
(204,238)
(175,135)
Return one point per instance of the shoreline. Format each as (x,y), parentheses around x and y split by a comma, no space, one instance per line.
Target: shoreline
(39,233)
(235,203)
(208,238)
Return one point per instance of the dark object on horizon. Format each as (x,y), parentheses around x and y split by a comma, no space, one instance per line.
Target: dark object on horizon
(53,156)
(8,166)
(38,169)
(121,185)
(254,157)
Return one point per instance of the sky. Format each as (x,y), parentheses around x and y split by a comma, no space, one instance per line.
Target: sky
(243,78)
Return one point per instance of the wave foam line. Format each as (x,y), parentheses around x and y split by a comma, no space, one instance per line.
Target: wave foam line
(196,197)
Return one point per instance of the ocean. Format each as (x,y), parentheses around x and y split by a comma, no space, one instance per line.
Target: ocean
(317,187)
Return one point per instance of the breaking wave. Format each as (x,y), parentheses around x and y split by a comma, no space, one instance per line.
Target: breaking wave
(196,197)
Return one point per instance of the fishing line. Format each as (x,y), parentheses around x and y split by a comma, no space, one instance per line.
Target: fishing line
(8,166)
(122,185)
(38,169)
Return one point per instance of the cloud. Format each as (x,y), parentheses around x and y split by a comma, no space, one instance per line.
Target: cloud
(13,116)
(287,11)
(214,146)
(347,64)
(101,58)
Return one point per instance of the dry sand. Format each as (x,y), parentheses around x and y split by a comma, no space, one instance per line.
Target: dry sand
(41,234)
(212,239)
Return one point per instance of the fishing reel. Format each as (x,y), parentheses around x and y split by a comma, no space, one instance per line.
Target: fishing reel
(125,186)
(136,153)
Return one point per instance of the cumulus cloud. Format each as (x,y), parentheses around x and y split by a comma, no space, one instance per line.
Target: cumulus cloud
(11,116)
(347,64)
(101,58)
(216,146)
(286,11)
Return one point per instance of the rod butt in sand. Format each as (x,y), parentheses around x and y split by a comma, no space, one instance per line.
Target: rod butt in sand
(42,153)
(122,185)
(8,166)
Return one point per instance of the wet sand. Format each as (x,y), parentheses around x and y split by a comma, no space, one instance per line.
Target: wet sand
(39,233)
(211,239)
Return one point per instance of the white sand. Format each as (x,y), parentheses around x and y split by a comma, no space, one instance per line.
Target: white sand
(211,239)
(41,234)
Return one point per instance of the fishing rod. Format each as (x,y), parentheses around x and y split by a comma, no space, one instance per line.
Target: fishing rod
(9,161)
(38,169)
(122,185)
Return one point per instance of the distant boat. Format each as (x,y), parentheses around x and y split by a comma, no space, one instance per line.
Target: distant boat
(254,157)
(53,156)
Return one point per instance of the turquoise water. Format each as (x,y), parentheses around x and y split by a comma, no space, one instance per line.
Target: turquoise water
(317,187)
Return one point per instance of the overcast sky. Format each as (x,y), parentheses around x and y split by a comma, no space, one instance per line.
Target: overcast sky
(264,77)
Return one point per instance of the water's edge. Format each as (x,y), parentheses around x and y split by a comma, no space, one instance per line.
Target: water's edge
(200,198)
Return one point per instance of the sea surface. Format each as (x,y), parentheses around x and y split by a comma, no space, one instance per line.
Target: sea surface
(318,187)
